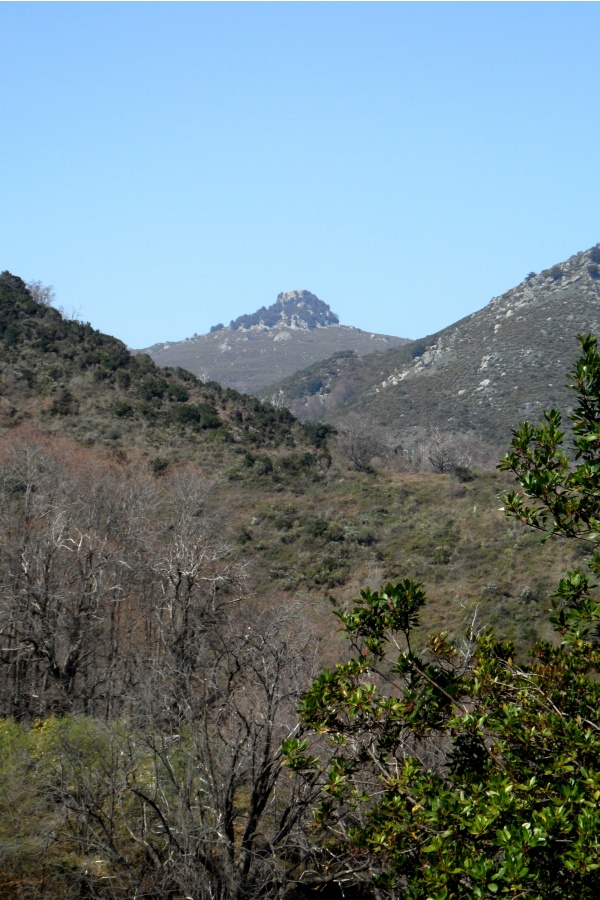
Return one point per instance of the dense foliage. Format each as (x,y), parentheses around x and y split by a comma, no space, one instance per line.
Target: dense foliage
(454,771)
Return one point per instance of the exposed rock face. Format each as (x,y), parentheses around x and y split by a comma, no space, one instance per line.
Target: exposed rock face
(570,291)
(296,309)
(506,362)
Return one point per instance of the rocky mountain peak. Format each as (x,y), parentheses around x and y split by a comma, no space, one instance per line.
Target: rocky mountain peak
(294,309)
(286,297)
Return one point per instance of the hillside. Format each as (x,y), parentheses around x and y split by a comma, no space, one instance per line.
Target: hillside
(307,524)
(172,556)
(482,375)
(67,378)
(306,521)
(272,343)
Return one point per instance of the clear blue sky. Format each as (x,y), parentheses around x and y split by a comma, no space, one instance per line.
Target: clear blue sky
(169,166)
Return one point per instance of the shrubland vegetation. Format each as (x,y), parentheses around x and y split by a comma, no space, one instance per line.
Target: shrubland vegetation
(480,375)
(71,378)
(167,587)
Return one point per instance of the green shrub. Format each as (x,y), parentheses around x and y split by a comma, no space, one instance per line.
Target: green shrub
(123,379)
(122,409)
(197,415)
(178,393)
(335,532)
(159,465)
(366,537)
(264,465)
(64,404)
(555,273)
(595,254)
(317,527)
(151,387)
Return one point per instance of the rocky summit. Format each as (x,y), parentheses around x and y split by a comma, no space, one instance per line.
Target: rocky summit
(256,349)
(294,309)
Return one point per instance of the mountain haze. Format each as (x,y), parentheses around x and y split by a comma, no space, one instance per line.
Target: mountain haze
(272,343)
(498,366)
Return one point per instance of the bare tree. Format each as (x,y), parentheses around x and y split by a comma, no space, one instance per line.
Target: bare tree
(42,293)
(359,441)
(447,452)
(61,586)
(122,598)
(199,806)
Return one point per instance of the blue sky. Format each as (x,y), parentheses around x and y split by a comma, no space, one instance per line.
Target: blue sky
(168,166)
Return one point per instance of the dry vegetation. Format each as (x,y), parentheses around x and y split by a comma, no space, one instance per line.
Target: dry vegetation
(159,629)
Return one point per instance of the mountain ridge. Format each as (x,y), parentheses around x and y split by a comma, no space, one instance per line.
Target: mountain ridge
(66,377)
(500,364)
(255,349)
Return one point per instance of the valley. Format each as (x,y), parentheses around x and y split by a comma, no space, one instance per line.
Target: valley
(177,558)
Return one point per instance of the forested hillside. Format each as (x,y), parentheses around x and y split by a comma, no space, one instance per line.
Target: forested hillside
(167,587)
(70,378)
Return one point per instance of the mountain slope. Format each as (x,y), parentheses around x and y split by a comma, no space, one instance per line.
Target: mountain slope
(306,524)
(66,377)
(483,374)
(272,343)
